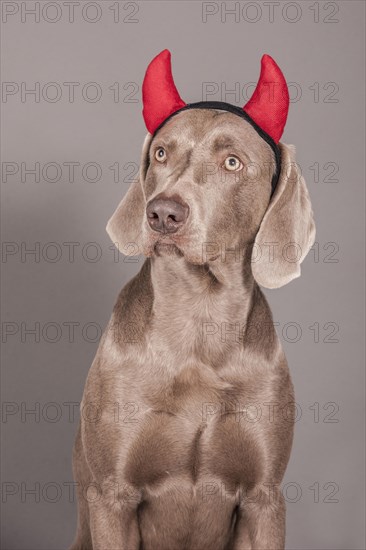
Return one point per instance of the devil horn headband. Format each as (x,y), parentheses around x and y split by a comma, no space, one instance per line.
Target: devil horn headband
(266,110)
(268,106)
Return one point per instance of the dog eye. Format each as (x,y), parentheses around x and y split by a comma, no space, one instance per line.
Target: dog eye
(233,164)
(160,154)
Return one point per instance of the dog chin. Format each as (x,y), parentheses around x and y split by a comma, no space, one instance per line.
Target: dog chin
(167,249)
(172,250)
(160,246)
(177,246)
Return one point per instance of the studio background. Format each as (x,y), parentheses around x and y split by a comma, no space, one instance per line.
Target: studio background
(83,126)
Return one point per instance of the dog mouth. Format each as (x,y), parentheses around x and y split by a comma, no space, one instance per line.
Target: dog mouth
(162,244)
(179,245)
(176,246)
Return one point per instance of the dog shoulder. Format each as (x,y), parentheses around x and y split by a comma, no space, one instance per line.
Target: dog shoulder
(125,333)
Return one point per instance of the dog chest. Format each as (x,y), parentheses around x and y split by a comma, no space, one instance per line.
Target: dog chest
(192,430)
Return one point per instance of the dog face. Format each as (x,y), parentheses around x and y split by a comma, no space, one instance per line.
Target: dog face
(205,187)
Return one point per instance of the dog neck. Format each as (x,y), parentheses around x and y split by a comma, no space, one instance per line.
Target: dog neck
(206,307)
(231,279)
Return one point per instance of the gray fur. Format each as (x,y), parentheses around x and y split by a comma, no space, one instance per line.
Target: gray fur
(190,355)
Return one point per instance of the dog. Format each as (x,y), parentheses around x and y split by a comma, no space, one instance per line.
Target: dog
(188,409)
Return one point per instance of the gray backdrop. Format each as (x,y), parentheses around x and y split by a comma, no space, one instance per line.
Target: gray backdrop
(83,126)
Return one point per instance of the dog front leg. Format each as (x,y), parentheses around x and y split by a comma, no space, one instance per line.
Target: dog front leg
(265,512)
(241,539)
(114,523)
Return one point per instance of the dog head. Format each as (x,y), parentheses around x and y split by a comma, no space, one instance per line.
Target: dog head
(211,181)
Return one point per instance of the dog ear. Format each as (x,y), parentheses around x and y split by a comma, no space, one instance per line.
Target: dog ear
(125,225)
(287,231)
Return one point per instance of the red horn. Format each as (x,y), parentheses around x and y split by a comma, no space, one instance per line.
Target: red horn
(269,104)
(159,94)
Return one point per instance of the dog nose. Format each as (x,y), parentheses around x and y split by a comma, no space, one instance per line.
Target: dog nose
(166,215)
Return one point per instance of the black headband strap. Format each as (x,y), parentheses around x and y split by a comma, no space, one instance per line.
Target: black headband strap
(222,106)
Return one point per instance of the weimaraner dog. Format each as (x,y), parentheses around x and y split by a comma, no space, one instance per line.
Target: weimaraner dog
(188,409)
